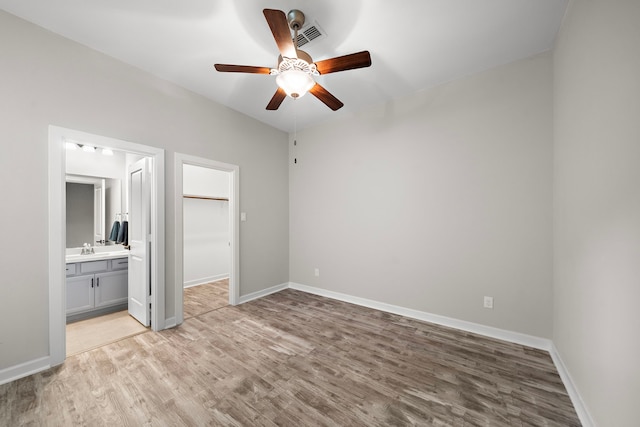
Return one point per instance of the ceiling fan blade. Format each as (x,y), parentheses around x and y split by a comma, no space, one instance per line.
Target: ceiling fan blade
(279,25)
(277,99)
(228,68)
(343,63)
(323,95)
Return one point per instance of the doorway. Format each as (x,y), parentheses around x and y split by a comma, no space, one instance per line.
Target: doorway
(206,239)
(58,139)
(101,286)
(216,194)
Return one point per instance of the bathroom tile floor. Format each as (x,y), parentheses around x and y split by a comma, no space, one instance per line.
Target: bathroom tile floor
(98,331)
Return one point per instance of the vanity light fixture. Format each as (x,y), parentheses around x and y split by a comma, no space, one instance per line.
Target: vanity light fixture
(71,145)
(88,149)
(107,152)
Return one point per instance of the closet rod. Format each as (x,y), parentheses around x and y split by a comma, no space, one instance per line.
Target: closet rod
(188,196)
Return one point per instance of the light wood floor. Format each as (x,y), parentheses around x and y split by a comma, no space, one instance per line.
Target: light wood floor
(204,298)
(295,359)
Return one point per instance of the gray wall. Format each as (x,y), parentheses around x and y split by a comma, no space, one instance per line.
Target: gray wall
(597,205)
(45,80)
(436,200)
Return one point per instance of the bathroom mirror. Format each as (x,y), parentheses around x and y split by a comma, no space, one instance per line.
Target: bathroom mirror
(92,205)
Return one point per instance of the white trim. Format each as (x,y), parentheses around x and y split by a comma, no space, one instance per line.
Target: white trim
(488,331)
(578,404)
(57,231)
(170,322)
(234,213)
(263,293)
(158,290)
(57,238)
(205,280)
(25,369)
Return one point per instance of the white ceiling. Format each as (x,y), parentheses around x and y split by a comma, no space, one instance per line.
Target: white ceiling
(414,44)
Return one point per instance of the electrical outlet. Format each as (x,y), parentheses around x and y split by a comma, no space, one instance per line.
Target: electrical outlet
(488,302)
(316,272)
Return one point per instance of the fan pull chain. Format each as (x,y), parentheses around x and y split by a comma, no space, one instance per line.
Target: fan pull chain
(295,133)
(295,110)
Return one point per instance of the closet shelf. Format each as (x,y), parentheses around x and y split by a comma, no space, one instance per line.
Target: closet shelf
(191,196)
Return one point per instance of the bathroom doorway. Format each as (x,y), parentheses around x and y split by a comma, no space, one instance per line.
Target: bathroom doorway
(98,193)
(206,235)
(105,276)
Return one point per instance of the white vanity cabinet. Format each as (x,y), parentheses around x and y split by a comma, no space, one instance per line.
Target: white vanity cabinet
(94,285)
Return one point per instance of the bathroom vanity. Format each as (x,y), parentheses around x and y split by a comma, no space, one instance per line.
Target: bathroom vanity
(96,284)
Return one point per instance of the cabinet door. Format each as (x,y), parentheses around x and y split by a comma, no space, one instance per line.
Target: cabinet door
(111,288)
(80,293)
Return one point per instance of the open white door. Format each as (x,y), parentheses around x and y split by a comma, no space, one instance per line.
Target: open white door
(139,238)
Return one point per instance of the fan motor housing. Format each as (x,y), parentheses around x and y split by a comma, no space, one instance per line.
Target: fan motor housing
(301,55)
(303,63)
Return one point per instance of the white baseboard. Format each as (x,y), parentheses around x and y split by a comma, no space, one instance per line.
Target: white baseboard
(170,322)
(262,293)
(204,280)
(25,369)
(576,399)
(488,331)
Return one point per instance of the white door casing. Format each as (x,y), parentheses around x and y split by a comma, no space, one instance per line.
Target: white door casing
(139,237)
(57,232)
(234,214)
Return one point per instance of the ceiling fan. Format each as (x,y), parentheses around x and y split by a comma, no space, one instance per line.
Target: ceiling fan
(295,71)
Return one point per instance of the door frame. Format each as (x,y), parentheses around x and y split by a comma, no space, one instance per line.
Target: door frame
(57,230)
(234,214)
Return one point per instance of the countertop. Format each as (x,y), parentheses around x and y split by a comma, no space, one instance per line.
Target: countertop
(71,258)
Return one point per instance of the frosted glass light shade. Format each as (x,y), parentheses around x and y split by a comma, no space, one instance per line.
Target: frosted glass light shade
(295,83)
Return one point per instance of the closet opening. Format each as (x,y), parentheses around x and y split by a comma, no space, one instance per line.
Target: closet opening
(206,236)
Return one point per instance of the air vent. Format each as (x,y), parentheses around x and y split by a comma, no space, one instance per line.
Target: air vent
(310,32)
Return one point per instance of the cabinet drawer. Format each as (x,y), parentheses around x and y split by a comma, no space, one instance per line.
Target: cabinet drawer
(91,266)
(120,264)
(71,269)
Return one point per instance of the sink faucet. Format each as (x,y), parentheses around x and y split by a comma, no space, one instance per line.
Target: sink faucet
(87,249)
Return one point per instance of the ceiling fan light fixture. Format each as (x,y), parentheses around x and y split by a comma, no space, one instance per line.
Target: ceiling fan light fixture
(296,69)
(295,83)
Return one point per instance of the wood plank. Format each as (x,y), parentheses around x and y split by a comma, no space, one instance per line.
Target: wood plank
(203,298)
